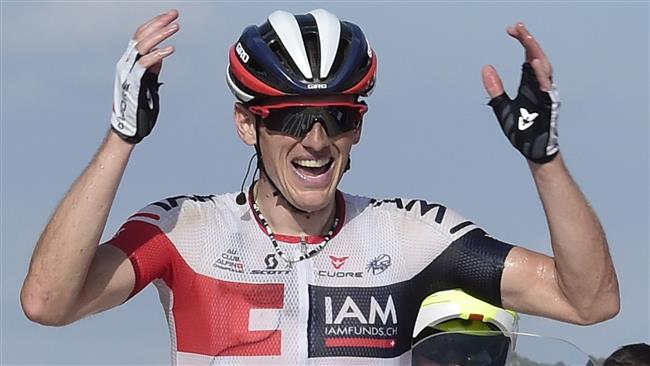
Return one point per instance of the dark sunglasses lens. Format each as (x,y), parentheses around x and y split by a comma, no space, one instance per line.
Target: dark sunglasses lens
(291,121)
(298,121)
(344,119)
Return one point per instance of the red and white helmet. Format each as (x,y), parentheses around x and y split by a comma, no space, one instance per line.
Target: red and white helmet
(307,54)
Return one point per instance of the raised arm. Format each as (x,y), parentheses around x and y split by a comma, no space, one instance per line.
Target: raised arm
(579,283)
(68,276)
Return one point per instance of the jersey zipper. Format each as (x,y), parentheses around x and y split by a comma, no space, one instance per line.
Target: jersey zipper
(303,245)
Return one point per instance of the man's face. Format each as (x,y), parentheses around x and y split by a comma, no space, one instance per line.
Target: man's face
(307,170)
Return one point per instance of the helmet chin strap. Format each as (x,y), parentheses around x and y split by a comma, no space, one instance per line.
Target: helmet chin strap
(260,166)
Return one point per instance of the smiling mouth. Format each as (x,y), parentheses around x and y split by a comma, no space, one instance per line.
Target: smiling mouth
(312,167)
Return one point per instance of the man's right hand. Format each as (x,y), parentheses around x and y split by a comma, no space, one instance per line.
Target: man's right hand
(135,93)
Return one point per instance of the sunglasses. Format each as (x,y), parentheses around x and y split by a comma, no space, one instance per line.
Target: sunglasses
(297,119)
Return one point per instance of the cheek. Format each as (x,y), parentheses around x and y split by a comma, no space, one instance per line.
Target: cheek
(344,144)
(356,137)
(274,148)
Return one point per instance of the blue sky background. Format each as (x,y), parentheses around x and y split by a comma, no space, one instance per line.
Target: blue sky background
(429,134)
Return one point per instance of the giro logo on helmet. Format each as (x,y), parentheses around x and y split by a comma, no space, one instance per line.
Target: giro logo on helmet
(316,86)
(241,52)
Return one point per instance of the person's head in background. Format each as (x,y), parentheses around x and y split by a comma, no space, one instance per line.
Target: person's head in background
(630,355)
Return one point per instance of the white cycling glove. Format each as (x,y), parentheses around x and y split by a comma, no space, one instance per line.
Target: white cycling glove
(135,97)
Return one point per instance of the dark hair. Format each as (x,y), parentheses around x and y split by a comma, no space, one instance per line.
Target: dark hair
(630,355)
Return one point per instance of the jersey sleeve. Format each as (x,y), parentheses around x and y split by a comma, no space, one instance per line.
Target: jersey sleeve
(143,238)
(474,262)
(470,259)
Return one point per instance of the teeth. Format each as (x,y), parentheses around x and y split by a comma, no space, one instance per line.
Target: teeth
(312,163)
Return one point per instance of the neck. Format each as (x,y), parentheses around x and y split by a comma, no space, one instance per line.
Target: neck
(285,220)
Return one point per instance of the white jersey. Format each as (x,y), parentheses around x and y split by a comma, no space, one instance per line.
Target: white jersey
(231,300)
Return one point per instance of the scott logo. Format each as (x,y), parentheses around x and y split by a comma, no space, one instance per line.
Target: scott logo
(270,261)
(316,86)
(338,262)
(241,52)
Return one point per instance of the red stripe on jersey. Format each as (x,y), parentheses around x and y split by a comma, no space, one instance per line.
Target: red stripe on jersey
(211,316)
(360,342)
(145,214)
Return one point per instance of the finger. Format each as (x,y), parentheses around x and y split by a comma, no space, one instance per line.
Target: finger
(159,24)
(491,81)
(155,24)
(543,78)
(156,56)
(155,68)
(532,47)
(146,44)
(166,17)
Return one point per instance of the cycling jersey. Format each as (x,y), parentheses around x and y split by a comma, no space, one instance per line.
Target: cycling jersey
(230,299)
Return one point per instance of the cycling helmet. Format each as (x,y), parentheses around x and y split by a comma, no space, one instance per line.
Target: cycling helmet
(308,54)
(453,327)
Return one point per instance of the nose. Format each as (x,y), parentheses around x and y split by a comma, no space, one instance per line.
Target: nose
(316,139)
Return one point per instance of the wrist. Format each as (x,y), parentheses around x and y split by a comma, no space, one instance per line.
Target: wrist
(116,143)
(542,169)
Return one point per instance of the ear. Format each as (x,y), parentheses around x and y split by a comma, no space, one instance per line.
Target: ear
(356,135)
(245,124)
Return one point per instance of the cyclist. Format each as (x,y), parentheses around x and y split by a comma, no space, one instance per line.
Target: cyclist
(295,271)
(454,328)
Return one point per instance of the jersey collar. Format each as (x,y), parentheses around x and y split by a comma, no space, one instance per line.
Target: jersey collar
(309,239)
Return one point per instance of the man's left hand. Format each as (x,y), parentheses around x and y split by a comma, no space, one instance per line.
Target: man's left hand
(530,120)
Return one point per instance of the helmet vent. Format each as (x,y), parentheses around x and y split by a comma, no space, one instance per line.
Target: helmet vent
(287,28)
(283,56)
(313,52)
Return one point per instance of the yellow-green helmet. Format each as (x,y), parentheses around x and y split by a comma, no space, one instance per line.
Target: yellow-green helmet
(475,332)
